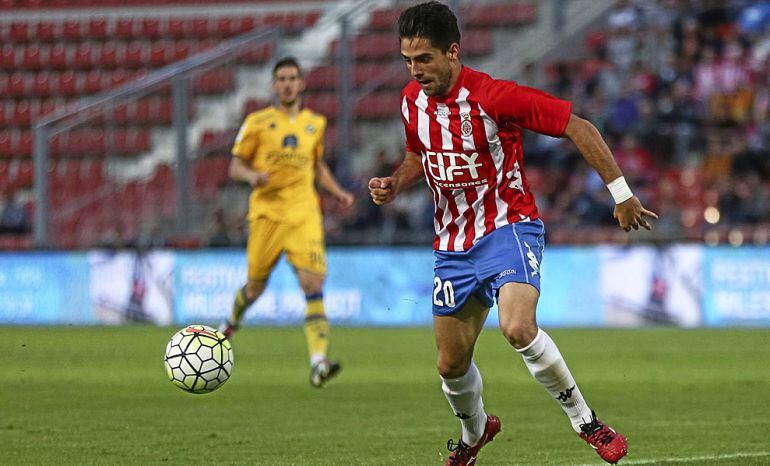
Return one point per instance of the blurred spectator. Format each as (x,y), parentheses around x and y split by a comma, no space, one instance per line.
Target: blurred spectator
(13,218)
(221,235)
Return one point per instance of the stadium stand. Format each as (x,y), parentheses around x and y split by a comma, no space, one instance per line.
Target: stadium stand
(655,76)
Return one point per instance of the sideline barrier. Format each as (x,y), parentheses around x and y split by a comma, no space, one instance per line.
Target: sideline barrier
(685,285)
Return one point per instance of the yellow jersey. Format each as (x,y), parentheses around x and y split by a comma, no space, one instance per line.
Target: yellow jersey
(287,149)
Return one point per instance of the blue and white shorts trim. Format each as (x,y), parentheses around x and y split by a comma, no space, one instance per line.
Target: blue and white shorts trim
(509,254)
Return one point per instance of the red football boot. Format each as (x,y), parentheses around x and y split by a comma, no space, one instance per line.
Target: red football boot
(228,328)
(610,445)
(463,454)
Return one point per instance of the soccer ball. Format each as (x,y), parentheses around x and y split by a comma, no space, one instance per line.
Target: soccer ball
(199,359)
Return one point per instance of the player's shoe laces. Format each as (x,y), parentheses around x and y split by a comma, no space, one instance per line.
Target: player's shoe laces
(464,454)
(322,371)
(227,328)
(610,445)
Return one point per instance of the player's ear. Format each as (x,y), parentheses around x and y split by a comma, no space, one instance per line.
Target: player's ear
(453,53)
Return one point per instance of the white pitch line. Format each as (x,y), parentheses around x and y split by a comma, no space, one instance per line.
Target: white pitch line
(689,459)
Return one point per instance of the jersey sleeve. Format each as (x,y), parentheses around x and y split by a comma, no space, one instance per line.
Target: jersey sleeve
(412,143)
(318,151)
(527,107)
(247,140)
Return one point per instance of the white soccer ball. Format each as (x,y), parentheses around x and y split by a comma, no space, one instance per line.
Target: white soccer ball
(199,359)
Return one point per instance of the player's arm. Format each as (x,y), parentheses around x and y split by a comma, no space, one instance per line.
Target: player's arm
(629,211)
(384,190)
(327,181)
(240,170)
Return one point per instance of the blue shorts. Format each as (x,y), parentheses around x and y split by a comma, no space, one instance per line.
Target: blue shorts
(509,254)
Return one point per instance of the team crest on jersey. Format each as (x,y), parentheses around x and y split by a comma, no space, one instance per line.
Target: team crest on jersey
(310,129)
(466,128)
(290,140)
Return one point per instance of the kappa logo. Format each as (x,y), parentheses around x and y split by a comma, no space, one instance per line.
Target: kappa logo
(515,177)
(462,415)
(533,263)
(566,394)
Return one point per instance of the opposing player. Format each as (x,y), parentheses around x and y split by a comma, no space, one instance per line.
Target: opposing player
(279,151)
(463,133)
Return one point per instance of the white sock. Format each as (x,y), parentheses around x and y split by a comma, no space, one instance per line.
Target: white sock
(464,396)
(546,364)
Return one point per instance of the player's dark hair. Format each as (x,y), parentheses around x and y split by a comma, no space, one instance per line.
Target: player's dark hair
(287,61)
(430,20)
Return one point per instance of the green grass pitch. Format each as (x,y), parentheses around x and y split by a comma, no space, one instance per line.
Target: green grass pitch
(100,396)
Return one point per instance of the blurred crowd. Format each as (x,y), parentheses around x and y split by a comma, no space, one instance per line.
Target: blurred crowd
(681,91)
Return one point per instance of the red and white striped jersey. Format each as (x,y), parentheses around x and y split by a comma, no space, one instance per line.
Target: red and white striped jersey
(470,143)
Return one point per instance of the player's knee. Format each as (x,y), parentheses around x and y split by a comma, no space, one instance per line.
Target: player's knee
(253,289)
(453,366)
(311,285)
(519,333)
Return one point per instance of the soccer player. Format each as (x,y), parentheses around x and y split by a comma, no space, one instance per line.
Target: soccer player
(463,134)
(278,151)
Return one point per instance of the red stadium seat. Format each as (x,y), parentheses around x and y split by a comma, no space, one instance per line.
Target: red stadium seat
(108,55)
(84,56)
(93,82)
(6,149)
(160,53)
(176,28)
(22,113)
(245,24)
(5,109)
(57,57)
(124,28)
(225,27)
(97,29)
(71,31)
(150,28)
(67,84)
(8,57)
(31,57)
(200,27)
(16,85)
(181,50)
(46,31)
(134,56)
(41,84)
(19,31)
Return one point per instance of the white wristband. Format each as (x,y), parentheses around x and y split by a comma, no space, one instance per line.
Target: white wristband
(620,190)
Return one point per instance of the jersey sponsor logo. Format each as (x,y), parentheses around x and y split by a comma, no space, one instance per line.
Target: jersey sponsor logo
(290,140)
(456,169)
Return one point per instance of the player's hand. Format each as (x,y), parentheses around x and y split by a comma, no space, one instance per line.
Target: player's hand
(258,179)
(345,198)
(382,190)
(631,214)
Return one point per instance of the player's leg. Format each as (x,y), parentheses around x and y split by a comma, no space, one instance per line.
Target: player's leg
(456,336)
(263,249)
(518,294)
(306,252)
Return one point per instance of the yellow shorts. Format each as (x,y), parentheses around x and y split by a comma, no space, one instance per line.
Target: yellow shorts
(302,243)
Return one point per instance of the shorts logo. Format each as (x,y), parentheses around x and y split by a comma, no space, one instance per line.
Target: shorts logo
(533,263)
(505,273)
(515,177)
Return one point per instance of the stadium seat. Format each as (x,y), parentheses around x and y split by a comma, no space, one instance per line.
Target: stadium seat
(57,57)
(124,28)
(19,31)
(67,84)
(150,28)
(7,57)
(46,31)
(97,29)
(41,84)
(108,55)
(84,56)
(71,31)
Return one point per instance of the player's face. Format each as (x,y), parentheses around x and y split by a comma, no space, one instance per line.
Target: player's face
(428,65)
(288,84)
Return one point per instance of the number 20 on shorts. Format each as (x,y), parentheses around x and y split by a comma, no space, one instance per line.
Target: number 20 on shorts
(449,292)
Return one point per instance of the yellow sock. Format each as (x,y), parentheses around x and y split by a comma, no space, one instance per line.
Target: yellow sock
(316,328)
(240,304)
